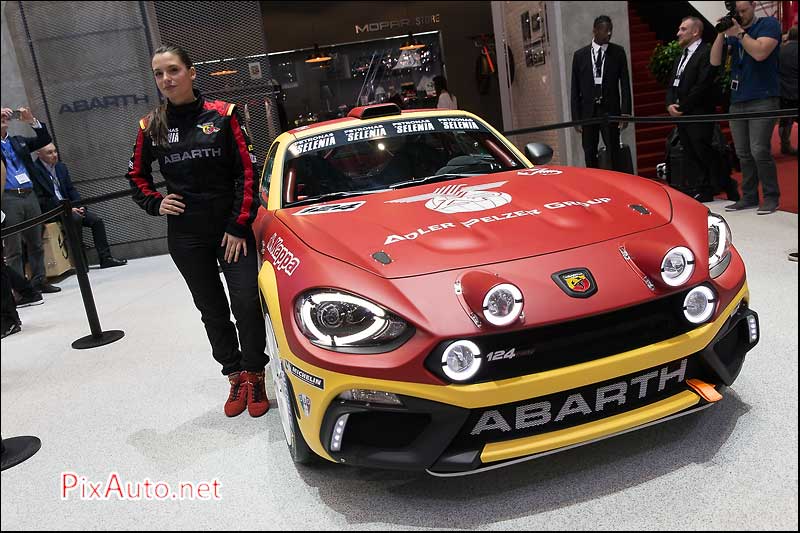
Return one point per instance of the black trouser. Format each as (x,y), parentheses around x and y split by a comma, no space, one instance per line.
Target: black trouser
(19,207)
(196,254)
(8,308)
(98,227)
(697,149)
(591,136)
(20,283)
(785,124)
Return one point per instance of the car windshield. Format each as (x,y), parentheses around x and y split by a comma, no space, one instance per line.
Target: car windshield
(398,153)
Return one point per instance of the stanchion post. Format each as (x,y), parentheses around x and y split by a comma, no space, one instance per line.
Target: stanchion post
(18,449)
(98,336)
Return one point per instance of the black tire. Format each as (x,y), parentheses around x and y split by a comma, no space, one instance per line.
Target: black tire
(300,451)
(286,404)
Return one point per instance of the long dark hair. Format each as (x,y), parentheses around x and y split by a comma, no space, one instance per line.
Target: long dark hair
(157,118)
(440,84)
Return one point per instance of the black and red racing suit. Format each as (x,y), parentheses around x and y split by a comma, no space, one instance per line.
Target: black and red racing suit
(208,161)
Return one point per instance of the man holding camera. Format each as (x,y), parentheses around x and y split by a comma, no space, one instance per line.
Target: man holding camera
(755,86)
(19,200)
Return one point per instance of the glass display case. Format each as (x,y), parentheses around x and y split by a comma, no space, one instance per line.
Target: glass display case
(359,73)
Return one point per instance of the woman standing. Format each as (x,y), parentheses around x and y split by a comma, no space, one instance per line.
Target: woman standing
(204,155)
(445,99)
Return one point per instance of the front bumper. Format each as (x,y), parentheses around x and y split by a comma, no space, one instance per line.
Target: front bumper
(435,428)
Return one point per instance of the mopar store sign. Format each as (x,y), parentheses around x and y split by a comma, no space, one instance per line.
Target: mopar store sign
(372,27)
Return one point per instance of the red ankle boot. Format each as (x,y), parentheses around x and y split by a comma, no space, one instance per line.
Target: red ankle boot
(237,399)
(257,402)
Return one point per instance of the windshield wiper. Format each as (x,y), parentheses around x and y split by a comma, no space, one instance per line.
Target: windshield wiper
(332,196)
(427,179)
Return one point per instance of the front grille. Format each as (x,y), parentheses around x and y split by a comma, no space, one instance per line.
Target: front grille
(570,343)
(575,407)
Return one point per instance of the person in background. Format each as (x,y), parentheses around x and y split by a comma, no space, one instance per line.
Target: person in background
(755,87)
(601,86)
(9,318)
(445,99)
(788,70)
(691,92)
(19,200)
(53,184)
(205,157)
(397,100)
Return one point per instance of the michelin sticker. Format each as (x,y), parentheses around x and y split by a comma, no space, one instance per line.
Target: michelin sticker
(302,375)
(329,208)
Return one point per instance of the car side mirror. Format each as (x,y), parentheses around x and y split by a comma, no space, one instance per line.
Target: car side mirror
(538,153)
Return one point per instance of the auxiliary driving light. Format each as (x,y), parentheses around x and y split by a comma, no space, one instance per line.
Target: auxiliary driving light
(752,325)
(370,396)
(461,360)
(699,304)
(502,305)
(677,266)
(338,431)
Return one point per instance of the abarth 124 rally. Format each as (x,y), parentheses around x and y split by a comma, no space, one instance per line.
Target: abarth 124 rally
(436,300)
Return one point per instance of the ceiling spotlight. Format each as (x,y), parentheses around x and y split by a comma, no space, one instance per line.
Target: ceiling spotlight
(411,44)
(317,56)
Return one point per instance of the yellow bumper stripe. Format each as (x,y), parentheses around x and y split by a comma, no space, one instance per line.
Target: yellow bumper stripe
(500,451)
(481,395)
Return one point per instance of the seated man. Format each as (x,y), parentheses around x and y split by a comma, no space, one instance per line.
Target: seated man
(53,184)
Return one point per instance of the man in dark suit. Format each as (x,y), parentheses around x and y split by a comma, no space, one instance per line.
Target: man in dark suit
(53,184)
(19,200)
(601,85)
(691,92)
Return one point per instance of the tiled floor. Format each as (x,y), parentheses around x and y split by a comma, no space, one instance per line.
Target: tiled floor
(149,407)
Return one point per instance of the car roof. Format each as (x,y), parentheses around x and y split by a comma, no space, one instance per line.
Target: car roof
(340,123)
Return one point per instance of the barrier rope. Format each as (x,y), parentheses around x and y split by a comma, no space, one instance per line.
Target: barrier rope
(64,210)
(778,113)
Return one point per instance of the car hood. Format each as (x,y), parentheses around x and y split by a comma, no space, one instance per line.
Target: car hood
(479,220)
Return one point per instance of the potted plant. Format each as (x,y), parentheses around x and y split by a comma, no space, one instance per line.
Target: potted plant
(662,60)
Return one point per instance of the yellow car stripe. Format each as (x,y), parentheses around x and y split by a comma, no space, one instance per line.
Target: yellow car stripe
(500,451)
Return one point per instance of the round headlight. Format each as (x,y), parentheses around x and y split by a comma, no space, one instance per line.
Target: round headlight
(461,360)
(677,266)
(719,240)
(502,305)
(699,304)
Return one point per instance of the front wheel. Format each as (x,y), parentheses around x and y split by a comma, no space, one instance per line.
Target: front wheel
(298,448)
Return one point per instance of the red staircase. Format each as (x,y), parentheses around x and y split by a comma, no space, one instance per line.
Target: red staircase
(648,98)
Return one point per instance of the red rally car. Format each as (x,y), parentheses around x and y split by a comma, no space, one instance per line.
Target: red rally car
(436,302)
